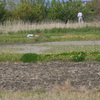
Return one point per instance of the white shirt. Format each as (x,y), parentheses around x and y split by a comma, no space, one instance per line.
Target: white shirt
(79,14)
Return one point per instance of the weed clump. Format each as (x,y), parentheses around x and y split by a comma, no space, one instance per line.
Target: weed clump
(30,57)
(98,58)
(79,56)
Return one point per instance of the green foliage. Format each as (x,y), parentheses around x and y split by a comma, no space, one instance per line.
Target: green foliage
(98,58)
(67,56)
(12,5)
(79,56)
(37,10)
(56,10)
(37,31)
(54,34)
(11,57)
(2,12)
(27,12)
(30,57)
(23,11)
(11,13)
(67,11)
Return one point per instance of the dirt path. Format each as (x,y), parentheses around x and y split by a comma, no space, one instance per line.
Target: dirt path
(38,47)
(72,43)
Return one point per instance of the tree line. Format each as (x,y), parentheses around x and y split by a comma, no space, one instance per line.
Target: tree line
(39,10)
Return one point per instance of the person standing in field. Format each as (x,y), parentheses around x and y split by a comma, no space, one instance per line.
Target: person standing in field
(80,17)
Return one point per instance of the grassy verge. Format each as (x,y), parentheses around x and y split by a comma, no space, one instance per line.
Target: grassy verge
(6,49)
(21,26)
(65,92)
(54,34)
(67,48)
(62,57)
(68,57)
(53,96)
(11,57)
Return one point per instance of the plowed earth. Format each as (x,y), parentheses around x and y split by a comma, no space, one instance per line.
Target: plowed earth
(33,76)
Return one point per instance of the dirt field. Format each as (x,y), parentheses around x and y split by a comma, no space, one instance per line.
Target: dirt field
(34,76)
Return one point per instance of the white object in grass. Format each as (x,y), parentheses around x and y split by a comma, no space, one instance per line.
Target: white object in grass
(36,35)
(30,35)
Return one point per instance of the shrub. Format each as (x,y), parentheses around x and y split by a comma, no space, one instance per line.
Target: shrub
(98,58)
(30,57)
(79,56)
(3,12)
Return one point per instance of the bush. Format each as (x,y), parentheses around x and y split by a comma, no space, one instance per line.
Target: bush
(79,56)
(30,57)
(3,12)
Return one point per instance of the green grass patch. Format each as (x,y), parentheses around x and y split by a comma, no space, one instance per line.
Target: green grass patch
(30,57)
(72,57)
(69,48)
(23,94)
(56,94)
(79,56)
(98,58)
(11,57)
(54,34)
(58,57)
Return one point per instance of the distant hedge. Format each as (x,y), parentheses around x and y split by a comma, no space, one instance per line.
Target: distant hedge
(37,10)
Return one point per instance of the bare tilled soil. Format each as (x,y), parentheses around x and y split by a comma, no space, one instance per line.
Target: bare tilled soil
(33,76)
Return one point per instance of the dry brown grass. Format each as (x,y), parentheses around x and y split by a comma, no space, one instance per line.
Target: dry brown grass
(65,92)
(8,27)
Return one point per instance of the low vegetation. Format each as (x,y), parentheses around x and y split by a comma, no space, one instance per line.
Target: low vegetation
(69,48)
(65,92)
(98,58)
(79,56)
(62,57)
(54,34)
(56,53)
(30,57)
